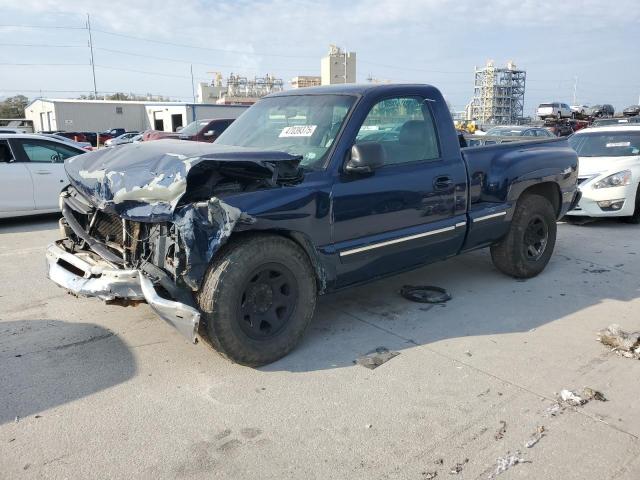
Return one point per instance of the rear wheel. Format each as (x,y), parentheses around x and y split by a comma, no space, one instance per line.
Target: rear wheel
(526,249)
(257,299)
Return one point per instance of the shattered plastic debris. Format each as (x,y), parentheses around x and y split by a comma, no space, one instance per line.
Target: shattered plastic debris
(505,463)
(501,431)
(624,343)
(425,294)
(457,468)
(376,358)
(535,438)
(574,399)
(429,475)
(571,398)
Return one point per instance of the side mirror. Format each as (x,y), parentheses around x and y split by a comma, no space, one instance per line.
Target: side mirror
(365,158)
(210,133)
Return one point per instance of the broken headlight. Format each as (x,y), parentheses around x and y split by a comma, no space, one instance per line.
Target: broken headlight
(616,180)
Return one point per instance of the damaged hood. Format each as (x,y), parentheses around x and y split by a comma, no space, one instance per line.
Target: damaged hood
(146,180)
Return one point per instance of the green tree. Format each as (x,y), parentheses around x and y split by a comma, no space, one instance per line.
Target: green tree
(13,107)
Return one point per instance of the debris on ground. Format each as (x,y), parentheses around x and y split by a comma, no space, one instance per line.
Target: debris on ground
(376,358)
(429,475)
(505,463)
(468,353)
(535,438)
(624,343)
(457,468)
(425,294)
(439,461)
(501,431)
(595,270)
(574,399)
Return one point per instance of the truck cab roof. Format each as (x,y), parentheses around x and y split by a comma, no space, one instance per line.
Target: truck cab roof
(354,89)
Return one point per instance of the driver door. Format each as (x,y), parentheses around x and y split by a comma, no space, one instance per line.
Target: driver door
(45,162)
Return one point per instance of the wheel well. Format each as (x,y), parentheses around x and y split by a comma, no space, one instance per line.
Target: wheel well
(548,190)
(300,240)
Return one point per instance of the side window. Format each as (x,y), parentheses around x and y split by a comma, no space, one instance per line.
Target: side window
(528,133)
(405,128)
(44,152)
(5,152)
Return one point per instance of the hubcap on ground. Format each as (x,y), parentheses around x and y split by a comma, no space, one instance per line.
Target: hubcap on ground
(268,301)
(536,237)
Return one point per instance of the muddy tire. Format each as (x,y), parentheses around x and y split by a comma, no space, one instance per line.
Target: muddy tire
(257,299)
(525,251)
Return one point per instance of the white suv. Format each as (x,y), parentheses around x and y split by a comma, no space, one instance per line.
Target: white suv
(556,109)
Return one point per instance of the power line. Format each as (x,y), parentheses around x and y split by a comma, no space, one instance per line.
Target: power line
(46,64)
(59,27)
(40,45)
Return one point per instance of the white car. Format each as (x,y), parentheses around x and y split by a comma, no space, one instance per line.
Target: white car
(554,110)
(32,173)
(582,110)
(608,172)
(121,140)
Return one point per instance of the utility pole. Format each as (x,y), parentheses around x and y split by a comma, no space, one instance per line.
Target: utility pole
(93,66)
(575,90)
(193,88)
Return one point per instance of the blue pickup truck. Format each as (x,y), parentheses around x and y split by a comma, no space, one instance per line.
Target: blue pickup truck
(308,192)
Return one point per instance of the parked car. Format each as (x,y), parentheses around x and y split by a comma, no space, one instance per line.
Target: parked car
(257,224)
(32,173)
(581,110)
(602,122)
(603,111)
(121,139)
(631,111)
(75,136)
(519,131)
(558,128)
(207,130)
(609,172)
(83,145)
(150,135)
(554,110)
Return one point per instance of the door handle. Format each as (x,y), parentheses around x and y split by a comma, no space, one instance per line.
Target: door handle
(42,172)
(442,182)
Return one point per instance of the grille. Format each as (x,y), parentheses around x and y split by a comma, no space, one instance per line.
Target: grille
(108,227)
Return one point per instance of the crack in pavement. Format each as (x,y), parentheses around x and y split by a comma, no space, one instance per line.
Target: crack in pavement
(479,370)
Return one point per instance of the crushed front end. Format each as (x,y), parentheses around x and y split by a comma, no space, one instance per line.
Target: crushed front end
(122,261)
(142,222)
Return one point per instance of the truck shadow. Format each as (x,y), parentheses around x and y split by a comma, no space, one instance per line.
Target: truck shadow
(485,302)
(46,363)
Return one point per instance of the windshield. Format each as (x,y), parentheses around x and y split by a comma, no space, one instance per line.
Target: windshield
(303,125)
(194,127)
(606,144)
(505,131)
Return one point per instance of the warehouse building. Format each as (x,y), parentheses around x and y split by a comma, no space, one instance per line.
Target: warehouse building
(100,115)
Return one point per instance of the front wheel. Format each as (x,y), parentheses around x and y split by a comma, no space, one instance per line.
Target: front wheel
(526,249)
(257,299)
(635,218)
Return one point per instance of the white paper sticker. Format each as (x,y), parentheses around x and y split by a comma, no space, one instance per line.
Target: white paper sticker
(618,144)
(298,131)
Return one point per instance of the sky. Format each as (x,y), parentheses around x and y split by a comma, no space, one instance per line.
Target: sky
(146,46)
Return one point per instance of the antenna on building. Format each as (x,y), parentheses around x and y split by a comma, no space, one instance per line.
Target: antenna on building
(93,66)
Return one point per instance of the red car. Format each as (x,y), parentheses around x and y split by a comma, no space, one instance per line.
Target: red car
(205,130)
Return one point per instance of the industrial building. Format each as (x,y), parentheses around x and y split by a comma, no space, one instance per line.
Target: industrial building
(338,67)
(238,90)
(498,95)
(100,115)
(302,81)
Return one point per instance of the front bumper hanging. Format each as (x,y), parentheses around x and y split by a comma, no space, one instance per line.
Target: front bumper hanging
(82,275)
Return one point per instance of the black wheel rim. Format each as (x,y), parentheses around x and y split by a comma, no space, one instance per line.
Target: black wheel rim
(536,237)
(268,301)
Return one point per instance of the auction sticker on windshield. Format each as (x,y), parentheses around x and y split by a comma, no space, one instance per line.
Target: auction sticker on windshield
(618,144)
(298,131)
